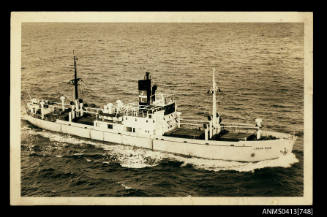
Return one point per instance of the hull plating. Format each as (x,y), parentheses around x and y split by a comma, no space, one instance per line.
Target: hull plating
(220,150)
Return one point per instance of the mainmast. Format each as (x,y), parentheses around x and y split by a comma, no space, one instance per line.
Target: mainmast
(214,125)
(214,100)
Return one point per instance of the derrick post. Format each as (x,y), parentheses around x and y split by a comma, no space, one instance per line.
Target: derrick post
(42,109)
(62,103)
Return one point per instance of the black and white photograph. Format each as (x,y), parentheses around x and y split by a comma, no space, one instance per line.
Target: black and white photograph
(155,105)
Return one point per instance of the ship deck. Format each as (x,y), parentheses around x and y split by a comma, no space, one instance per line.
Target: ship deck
(85,119)
(186,133)
(57,114)
(189,133)
(232,136)
(199,134)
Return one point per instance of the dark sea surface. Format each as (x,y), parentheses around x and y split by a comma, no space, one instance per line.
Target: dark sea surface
(259,68)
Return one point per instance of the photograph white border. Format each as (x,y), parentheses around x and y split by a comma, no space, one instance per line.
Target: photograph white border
(17,18)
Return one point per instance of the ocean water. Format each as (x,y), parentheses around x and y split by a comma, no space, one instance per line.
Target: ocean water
(259,68)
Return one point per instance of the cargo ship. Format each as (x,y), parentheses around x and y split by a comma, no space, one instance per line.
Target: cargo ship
(153,122)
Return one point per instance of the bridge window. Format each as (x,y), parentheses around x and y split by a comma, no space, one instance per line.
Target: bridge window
(143,99)
(130,129)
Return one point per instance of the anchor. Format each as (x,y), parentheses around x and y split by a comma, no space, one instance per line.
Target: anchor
(284,152)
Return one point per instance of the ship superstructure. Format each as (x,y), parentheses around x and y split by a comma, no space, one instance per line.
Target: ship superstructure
(153,122)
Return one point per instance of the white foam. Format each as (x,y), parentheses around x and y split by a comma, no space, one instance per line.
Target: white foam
(125,186)
(218,165)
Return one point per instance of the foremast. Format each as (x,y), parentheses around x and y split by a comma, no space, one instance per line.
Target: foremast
(76,80)
(77,106)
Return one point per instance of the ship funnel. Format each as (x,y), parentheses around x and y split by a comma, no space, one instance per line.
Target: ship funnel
(144,87)
(147,76)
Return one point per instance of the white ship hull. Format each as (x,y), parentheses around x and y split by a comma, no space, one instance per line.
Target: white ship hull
(220,150)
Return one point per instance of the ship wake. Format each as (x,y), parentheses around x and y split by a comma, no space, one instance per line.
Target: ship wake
(221,165)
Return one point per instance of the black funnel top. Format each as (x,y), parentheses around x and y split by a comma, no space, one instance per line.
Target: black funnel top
(144,87)
(147,76)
